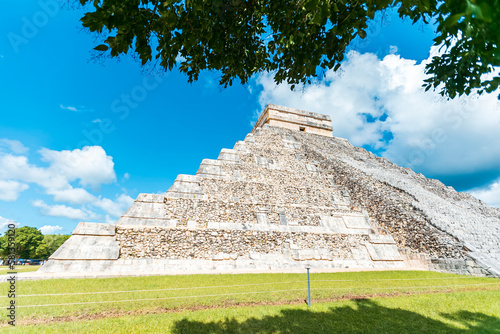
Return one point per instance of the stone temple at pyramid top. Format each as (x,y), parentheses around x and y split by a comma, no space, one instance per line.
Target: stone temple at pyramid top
(295,119)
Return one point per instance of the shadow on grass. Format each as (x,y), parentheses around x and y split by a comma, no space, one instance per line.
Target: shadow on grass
(367,317)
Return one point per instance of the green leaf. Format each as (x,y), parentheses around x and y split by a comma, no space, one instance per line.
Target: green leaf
(452,20)
(101,47)
(292,39)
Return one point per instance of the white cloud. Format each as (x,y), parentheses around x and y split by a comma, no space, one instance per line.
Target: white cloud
(14,146)
(75,109)
(5,221)
(126,176)
(68,108)
(490,194)
(373,100)
(97,120)
(80,196)
(10,190)
(109,220)
(115,208)
(4,224)
(18,168)
(62,211)
(72,195)
(48,229)
(112,208)
(90,165)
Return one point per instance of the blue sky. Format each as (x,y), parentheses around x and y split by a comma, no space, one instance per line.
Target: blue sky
(80,139)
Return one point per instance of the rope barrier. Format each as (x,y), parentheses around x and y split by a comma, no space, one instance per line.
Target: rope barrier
(254,292)
(411,287)
(240,285)
(396,279)
(164,298)
(152,290)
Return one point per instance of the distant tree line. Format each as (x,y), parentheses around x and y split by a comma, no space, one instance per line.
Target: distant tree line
(32,244)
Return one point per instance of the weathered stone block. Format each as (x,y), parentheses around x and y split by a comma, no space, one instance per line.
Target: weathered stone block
(146,210)
(150,198)
(213,225)
(381,239)
(95,229)
(82,247)
(352,221)
(383,252)
(186,186)
(229,156)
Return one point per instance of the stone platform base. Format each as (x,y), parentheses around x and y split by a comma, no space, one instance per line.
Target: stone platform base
(274,263)
(157,268)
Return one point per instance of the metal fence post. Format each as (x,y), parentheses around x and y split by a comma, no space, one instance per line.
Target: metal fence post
(308,288)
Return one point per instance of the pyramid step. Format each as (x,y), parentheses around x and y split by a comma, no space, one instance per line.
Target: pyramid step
(94,229)
(150,222)
(381,239)
(383,252)
(250,138)
(186,186)
(229,156)
(150,198)
(88,247)
(241,146)
(355,221)
(341,223)
(211,169)
(146,210)
(291,143)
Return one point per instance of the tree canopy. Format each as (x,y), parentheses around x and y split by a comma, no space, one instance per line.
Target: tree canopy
(31,244)
(294,39)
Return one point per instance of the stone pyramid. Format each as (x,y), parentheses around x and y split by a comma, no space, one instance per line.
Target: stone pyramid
(289,196)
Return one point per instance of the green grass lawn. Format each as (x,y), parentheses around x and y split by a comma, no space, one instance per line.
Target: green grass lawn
(19,269)
(254,302)
(458,312)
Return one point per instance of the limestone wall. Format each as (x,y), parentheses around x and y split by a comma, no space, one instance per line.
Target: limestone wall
(178,243)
